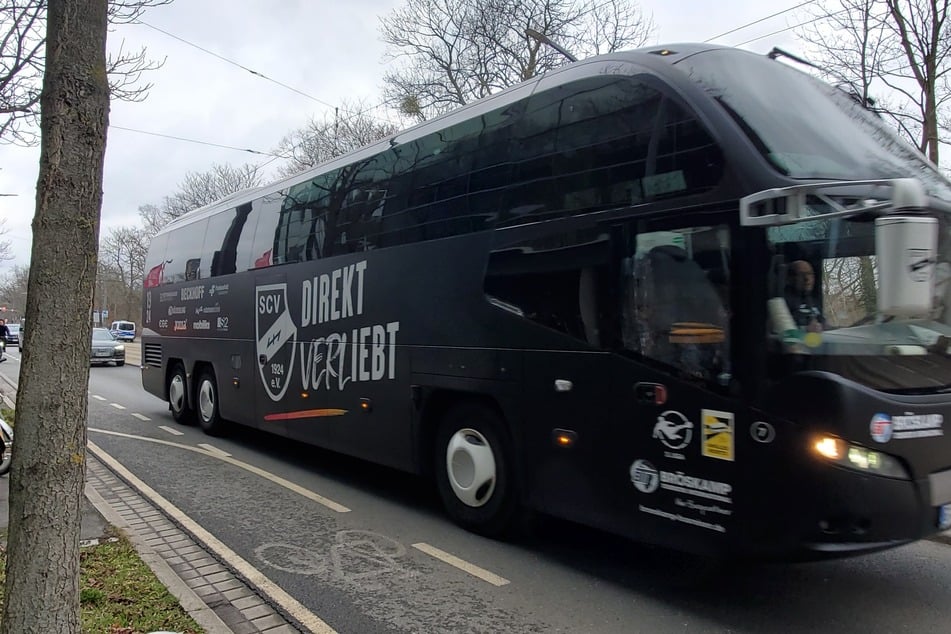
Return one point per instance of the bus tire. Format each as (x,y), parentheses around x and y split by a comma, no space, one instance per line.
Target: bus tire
(474,470)
(209,417)
(178,403)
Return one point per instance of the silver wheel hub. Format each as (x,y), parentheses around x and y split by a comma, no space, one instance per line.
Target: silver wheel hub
(206,401)
(176,393)
(470,465)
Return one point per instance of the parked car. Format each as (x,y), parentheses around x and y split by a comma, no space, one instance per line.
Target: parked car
(123,330)
(106,348)
(13,334)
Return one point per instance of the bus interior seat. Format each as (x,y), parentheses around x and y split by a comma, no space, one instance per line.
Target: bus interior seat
(681,291)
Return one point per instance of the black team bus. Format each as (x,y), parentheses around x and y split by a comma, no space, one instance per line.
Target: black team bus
(688,295)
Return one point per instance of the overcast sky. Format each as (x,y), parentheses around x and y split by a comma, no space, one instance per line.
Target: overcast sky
(328,49)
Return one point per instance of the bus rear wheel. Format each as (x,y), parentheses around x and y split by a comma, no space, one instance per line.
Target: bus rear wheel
(474,470)
(209,418)
(178,396)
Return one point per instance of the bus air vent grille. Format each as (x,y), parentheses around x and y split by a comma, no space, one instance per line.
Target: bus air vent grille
(153,354)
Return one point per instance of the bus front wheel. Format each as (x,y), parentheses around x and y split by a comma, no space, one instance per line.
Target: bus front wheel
(178,396)
(474,470)
(209,418)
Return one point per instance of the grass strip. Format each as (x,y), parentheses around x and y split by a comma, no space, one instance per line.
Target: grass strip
(119,594)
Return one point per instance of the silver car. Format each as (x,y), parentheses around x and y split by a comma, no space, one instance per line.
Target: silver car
(106,348)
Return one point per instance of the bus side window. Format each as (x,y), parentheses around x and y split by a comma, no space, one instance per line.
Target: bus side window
(672,310)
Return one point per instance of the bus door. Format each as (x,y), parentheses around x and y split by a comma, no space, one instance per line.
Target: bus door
(674,427)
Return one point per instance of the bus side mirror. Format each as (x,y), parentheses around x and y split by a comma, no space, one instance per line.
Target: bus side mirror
(906,249)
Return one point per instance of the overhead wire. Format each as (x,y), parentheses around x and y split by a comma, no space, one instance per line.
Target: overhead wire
(794,26)
(234,63)
(187,140)
(351,114)
(755,22)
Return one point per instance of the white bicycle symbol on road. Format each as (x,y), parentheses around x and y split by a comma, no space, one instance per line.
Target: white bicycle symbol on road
(355,556)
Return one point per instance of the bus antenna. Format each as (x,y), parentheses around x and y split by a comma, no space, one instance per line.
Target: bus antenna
(778,52)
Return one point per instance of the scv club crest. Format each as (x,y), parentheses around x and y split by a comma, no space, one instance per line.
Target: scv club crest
(276,333)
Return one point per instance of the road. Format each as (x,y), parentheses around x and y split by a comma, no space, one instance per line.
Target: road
(369,550)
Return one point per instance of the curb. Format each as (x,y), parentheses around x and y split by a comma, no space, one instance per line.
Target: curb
(190,602)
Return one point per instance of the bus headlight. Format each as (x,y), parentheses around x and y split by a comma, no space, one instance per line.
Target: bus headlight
(858,458)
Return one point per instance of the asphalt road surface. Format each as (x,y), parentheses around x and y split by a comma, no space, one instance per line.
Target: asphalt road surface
(368,549)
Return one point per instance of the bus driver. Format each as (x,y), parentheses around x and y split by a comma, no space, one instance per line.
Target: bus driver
(799,297)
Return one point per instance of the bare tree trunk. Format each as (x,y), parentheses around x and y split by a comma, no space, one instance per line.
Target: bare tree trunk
(46,482)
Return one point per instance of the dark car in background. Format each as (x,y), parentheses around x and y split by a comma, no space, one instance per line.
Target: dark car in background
(106,348)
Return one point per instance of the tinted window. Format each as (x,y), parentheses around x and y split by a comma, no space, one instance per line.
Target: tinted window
(559,281)
(220,251)
(605,142)
(184,251)
(804,127)
(260,236)
(155,262)
(674,300)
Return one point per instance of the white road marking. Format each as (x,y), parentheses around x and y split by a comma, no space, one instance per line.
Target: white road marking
(99,398)
(172,430)
(461,564)
(213,449)
(287,484)
(117,406)
(245,569)
(140,416)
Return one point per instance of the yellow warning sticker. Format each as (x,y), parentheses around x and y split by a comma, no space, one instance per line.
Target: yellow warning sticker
(717,434)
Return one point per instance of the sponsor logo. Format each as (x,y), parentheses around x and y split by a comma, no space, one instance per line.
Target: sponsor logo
(192,292)
(180,325)
(644,476)
(201,324)
(219,289)
(276,332)
(222,323)
(163,323)
(208,310)
(167,296)
(673,430)
(902,427)
(763,432)
(176,310)
(647,479)
(881,427)
(680,482)
(717,434)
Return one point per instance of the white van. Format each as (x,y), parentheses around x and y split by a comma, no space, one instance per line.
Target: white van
(123,330)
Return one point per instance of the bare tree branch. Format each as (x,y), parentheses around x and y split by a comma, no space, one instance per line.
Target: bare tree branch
(23,57)
(454,51)
(200,189)
(322,140)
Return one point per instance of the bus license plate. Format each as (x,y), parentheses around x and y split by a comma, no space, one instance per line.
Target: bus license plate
(944,517)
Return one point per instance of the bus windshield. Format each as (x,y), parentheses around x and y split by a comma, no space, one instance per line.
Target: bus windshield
(824,271)
(806,128)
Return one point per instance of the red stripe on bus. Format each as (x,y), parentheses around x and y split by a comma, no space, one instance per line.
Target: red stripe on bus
(306,413)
